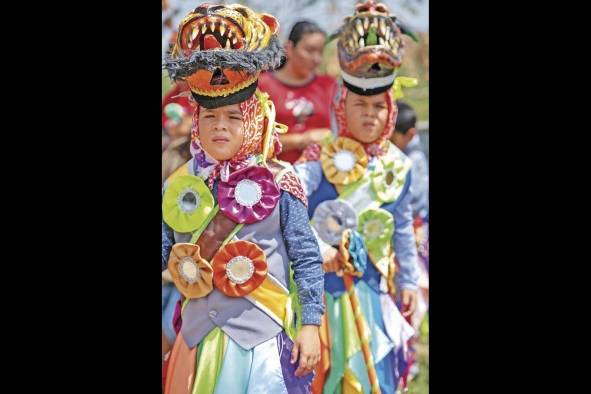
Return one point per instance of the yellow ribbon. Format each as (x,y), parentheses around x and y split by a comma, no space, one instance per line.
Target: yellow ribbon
(403,82)
(351,385)
(273,299)
(269,112)
(182,170)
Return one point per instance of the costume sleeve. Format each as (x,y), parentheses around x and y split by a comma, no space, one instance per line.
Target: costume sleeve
(310,174)
(420,184)
(167,242)
(302,250)
(404,241)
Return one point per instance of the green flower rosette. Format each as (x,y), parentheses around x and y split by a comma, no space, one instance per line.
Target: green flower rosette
(387,181)
(186,203)
(376,227)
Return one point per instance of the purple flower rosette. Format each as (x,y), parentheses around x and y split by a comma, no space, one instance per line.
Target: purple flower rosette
(249,195)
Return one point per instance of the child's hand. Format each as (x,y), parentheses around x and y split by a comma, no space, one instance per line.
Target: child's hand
(307,346)
(409,300)
(332,260)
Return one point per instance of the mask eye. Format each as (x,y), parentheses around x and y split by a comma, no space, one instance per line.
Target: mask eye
(381,8)
(242,11)
(362,8)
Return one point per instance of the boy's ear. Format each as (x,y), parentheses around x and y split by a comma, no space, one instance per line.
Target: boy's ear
(411,132)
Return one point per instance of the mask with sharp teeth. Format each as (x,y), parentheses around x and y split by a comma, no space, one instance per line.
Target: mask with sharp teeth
(370,49)
(220,51)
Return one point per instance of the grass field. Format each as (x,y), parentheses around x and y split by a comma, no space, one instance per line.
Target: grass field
(420,385)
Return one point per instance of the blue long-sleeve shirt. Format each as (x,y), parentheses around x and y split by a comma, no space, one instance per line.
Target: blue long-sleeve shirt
(420,178)
(302,250)
(403,239)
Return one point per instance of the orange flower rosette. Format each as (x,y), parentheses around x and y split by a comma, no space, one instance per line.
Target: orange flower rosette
(239,268)
(192,275)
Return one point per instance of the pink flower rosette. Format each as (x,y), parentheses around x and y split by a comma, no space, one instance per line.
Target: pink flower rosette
(249,195)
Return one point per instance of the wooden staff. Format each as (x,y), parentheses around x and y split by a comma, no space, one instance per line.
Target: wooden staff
(360,323)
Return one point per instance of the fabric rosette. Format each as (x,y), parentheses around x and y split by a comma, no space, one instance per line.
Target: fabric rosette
(239,268)
(343,160)
(388,182)
(331,218)
(192,275)
(249,195)
(376,226)
(352,249)
(186,203)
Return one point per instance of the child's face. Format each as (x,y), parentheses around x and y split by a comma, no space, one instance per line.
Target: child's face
(366,116)
(306,55)
(220,131)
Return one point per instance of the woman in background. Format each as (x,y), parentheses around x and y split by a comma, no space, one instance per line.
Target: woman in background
(301,96)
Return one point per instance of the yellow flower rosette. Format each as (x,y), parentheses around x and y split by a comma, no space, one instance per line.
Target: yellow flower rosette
(343,160)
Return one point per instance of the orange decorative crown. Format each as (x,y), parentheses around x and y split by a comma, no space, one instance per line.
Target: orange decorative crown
(220,51)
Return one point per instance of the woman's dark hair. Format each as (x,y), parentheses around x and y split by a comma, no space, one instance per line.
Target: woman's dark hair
(301,28)
(298,31)
(406,118)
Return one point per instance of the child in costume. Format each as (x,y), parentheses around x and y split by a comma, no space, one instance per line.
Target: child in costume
(358,187)
(235,221)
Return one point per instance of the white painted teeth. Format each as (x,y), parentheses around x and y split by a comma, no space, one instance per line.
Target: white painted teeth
(222,29)
(203,28)
(234,41)
(383,26)
(228,46)
(212,26)
(361,25)
(194,33)
(359,28)
(229,33)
